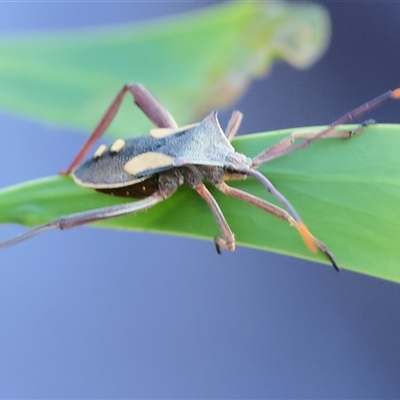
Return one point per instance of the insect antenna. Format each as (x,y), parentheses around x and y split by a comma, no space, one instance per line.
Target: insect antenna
(350,116)
(287,146)
(300,225)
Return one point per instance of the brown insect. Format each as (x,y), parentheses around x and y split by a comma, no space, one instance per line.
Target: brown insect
(152,167)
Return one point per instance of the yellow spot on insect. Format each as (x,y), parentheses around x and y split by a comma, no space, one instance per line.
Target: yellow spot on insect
(147,161)
(99,152)
(117,145)
(159,133)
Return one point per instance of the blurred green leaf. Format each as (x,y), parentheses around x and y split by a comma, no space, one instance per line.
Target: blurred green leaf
(347,192)
(193,63)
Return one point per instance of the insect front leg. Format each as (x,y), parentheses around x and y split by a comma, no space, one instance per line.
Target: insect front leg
(153,109)
(86,217)
(277,212)
(228,240)
(285,146)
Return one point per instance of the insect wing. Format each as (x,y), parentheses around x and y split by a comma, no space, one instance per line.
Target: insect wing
(130,162)
(133,162)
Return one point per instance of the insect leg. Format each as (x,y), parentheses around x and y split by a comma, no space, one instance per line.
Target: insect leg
(346,118)
(228,240)
(233,125)
(286,143)
(158,114)
(86,217)
(277,212)
(154,110)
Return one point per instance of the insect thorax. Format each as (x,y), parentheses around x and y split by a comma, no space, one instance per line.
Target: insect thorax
(191,175)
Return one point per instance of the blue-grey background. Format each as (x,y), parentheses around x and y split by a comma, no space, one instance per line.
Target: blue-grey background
(98,313)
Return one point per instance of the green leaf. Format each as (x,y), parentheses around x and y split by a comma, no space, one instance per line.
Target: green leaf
(193,63)
(347,192)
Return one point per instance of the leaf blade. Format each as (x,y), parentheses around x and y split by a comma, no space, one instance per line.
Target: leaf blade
(353,206)
(69,78)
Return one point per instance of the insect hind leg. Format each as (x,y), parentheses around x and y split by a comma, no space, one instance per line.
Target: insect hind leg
(153,109)
(86,217)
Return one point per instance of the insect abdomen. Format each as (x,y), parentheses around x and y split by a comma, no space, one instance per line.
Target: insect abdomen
(138,190)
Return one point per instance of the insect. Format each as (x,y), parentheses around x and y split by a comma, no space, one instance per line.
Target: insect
(152,167)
